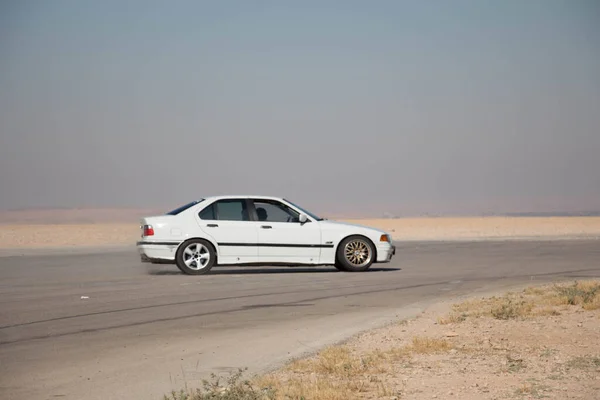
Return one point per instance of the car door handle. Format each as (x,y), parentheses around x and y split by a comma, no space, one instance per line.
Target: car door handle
(212,225)
(266,226)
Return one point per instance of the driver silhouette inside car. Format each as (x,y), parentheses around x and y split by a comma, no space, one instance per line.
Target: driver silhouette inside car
(261,213)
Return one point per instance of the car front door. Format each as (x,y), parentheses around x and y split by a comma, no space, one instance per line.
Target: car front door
(227,222)
(281,237)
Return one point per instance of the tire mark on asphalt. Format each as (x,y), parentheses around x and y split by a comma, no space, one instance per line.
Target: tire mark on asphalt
(237,309)
(178,303)
(107,312)
(283,304)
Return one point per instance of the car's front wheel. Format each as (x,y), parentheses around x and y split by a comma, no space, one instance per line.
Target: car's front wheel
(195,257)
(355,254)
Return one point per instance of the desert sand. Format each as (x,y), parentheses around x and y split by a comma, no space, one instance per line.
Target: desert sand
(540,342)
(44,235)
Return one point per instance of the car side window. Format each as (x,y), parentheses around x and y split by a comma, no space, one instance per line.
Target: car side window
(274,211)
(226,210)
(208,213)
(232,210)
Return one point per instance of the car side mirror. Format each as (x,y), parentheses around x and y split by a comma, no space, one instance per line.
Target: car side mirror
(302,218)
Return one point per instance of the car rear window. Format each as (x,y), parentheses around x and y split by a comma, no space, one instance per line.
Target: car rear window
(184,207)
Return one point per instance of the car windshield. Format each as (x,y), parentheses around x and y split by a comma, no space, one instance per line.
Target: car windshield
(184,207)
(305,212)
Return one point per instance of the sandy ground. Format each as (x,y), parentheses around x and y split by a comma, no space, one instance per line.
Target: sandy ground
(43,235)
(80,235)
(486,227)
(528,344)
(76,216)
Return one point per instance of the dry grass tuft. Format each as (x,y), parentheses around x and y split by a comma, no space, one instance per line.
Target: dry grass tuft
(534,291)
(235,388)
(532,390)
(546,312)
(341,362)
(453,318)
(531,302)
(425,345)
(585,363)
(335,373)
(510,306)
(586,294)
(323,387)
(339,373)
(309,387)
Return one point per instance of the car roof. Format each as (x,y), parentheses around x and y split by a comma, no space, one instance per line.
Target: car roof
(222,197)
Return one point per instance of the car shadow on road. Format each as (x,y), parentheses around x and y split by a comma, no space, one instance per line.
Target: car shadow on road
(264,270)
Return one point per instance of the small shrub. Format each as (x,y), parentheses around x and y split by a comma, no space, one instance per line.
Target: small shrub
(584,362)
(532,390)
(454,318)
(511,309)
(586,294)
(547,311)
(515,364)
(234,389)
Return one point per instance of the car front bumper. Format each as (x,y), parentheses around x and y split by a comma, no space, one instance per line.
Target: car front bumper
(385,252)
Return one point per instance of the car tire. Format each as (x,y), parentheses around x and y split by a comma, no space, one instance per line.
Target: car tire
(195,257)
(355,254)
(339,266)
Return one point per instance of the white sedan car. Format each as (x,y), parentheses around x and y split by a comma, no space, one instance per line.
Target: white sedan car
(257,230)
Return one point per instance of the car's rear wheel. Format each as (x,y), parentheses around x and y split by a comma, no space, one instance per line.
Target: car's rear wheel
(195,257)
(355,254)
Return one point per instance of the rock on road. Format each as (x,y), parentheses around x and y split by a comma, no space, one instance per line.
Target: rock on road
(104,326)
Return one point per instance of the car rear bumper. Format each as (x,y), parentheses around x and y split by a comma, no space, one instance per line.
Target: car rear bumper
(157,252)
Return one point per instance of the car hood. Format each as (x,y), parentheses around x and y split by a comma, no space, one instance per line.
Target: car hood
(347,224)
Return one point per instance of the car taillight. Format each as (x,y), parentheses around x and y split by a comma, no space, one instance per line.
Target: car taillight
(148,230)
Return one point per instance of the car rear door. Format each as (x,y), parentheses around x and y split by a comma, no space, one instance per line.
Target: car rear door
(227,222)
(281,237)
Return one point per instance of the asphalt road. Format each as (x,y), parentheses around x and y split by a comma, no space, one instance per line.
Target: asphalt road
(105,326)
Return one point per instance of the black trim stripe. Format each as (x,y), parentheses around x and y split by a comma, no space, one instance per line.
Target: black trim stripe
(228,244)
(157,243)
(296,245)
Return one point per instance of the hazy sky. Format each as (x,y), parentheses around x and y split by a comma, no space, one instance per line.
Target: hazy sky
(396,106)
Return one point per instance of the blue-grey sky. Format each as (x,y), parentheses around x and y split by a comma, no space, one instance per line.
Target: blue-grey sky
(366,106)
